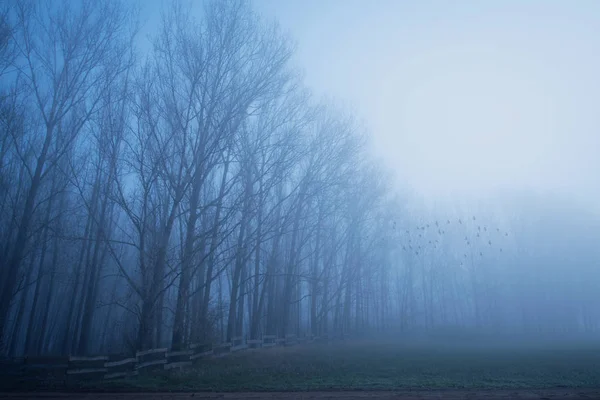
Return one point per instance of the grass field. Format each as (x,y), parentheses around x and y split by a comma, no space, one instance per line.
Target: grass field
(387,366)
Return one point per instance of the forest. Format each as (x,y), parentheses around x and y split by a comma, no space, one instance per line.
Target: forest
(197,190)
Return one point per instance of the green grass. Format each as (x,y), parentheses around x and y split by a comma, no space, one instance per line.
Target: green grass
(386,366)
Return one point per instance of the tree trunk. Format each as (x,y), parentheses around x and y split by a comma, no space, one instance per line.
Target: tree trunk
(213,248)
(92,284)
(239,265)
(14,341)
(53,268)
(14,263)
(290,277)
(186,264)
(314,276)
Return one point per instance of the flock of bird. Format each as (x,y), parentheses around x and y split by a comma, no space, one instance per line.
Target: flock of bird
(420,237)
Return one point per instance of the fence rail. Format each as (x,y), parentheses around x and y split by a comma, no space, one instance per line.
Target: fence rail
(77,368)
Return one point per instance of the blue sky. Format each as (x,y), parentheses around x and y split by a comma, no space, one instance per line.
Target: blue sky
(462,97)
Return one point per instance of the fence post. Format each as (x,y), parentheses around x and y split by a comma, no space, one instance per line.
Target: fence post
(238,344)
(150,360)
(200,350)
(89,368)
(222,350)
(122,368)
(269,340)
(254,343)
(290,340)
(178,359)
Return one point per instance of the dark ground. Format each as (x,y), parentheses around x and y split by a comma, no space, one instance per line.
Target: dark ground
(554,394)
(370,370)
(373,366)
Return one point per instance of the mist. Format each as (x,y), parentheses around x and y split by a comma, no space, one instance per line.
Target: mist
(183,173)
(463,99)
(482,109)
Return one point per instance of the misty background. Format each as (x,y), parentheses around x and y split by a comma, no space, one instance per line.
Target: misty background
(174,173)
(464,98)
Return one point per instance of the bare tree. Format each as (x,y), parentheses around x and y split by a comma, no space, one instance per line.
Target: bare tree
(67,58)
(202,194)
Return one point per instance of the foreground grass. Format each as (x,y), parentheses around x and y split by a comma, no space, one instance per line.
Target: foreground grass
(386,366)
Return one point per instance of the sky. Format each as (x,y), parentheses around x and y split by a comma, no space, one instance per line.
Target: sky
(462,98)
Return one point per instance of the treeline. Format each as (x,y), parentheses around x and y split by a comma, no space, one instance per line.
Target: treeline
(193,193)
(198,193)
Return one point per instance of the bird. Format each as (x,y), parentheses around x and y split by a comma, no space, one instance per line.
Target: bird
(490,242)
(473,218)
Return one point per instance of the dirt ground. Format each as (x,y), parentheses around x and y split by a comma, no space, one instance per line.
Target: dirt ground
(553,394)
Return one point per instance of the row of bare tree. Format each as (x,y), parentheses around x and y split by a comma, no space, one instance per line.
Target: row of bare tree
(194,193)
(150,199)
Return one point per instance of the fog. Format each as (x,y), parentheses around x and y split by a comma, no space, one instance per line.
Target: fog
(483,108)
(181,173)
(467,98)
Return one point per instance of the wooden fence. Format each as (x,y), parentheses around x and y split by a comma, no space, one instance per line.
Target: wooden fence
(79,369)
